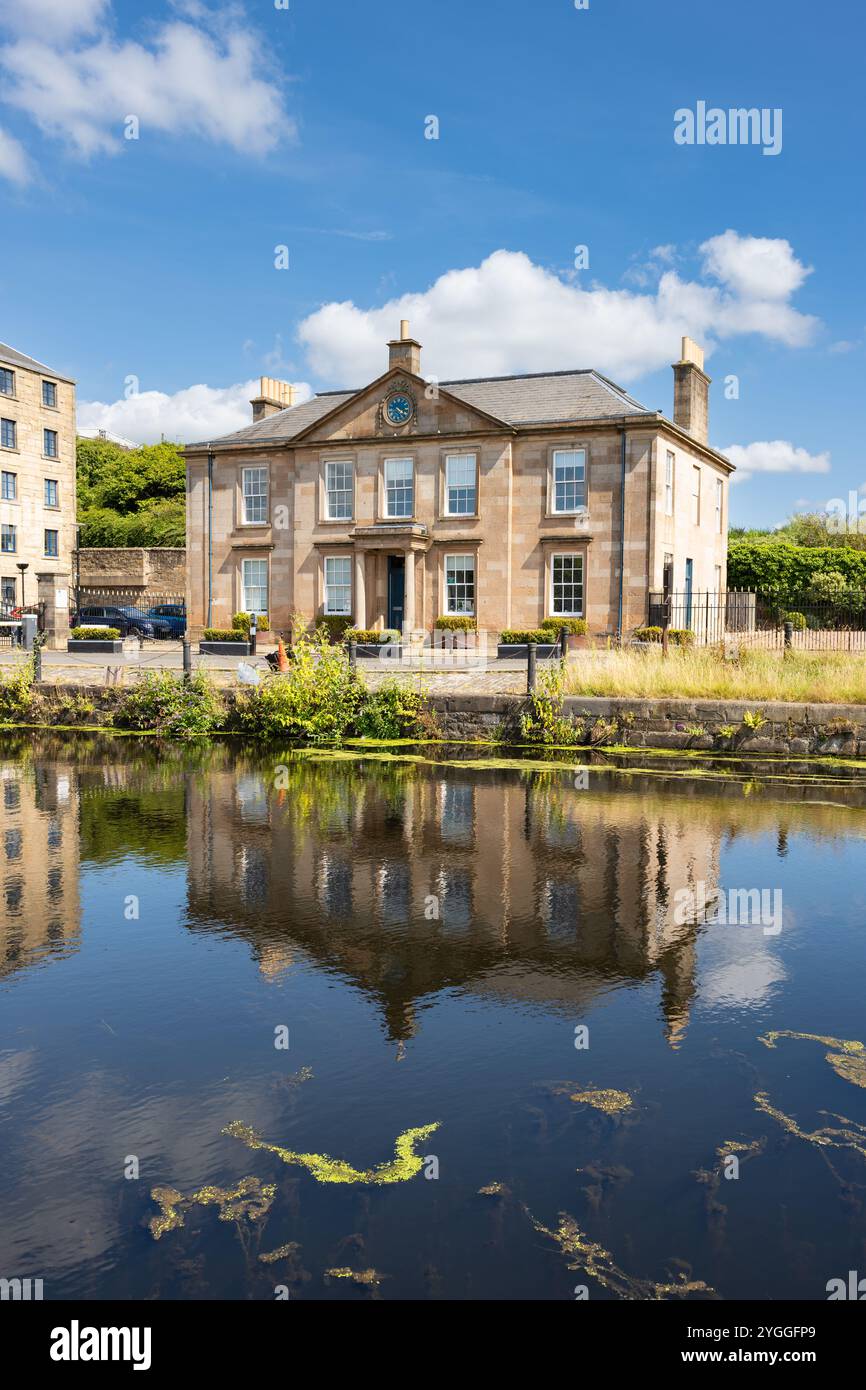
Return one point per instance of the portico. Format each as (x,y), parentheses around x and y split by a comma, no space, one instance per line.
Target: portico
(386,579)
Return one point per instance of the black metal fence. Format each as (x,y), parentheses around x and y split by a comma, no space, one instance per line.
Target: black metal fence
(164,613)
(752,619)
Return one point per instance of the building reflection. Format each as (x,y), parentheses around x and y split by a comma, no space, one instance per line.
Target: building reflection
(411,880)
(39,911)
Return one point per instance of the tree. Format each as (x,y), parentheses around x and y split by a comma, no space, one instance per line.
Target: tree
(130,497)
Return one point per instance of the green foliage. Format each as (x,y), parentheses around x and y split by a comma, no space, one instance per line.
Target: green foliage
(16,693)
(316,701)
(242,622)
(830,587)
(797,620)
(392,711)
(452,622)
(575,627)
(648,634)
(95,634)
(225,634)
(168,705)
(516,636)
(131,497)
(369,635)
(754,719)
(334,627)
(681,636)
(789,571)
(543,721)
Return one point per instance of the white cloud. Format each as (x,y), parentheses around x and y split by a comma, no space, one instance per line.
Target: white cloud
(52,19)
(193,414)
(754,267)
(509,314)
(14,163)
(187,82)
(774,456)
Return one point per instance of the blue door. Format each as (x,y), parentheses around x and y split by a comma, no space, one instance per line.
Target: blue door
(396,591)
(689,581)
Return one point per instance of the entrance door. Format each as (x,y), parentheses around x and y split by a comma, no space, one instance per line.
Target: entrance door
(396,591)
(688,593)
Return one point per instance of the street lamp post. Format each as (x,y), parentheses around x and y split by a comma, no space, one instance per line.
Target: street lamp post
(23,569)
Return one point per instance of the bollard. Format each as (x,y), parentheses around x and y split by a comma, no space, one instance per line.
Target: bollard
(253,634)
(531,667)
(789,635)
(37,659)
(563,643)
(353,655)
(187,658)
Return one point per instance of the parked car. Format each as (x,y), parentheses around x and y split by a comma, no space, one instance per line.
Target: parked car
(172,613)
(161,627)
(128,622)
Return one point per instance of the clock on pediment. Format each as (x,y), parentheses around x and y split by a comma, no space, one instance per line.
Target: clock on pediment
(398,408)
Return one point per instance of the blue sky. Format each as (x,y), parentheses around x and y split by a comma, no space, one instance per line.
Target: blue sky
(260,127)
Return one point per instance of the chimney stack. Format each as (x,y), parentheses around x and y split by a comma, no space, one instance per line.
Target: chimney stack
(273,396)
(692,391)
(404,351)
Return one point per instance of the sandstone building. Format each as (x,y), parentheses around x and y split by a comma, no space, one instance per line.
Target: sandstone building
(37,487)
(508,499)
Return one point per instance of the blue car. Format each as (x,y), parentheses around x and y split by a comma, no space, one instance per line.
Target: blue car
(172,613)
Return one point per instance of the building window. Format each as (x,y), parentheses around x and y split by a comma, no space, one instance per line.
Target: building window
(7,382)
(566,585)
(52,544)
(460,584)
(569,480)
(255,494)
(399,487)
(338,491)
(49,443)
(10,487)
(254,577)
(460,485)
(49,394)
(8,592)
(669,484)
(719,504)
(696,496)
(338,585)
(52,493)
(8,434)
(8,539)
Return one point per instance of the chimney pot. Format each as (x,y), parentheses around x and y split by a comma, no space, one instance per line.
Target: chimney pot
(692,391)
(273,397)
(404,328)
(405,352)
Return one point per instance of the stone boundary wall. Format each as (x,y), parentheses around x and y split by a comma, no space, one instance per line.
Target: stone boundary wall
(160,568)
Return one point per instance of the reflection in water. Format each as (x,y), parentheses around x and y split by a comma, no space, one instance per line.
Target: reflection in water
(468,922)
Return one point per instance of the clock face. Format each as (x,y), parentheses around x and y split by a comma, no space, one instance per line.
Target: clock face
(398,409)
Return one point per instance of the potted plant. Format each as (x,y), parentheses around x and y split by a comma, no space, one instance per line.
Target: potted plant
(373,642)
(514,643)
(576,630)
(224,641)
(94,639)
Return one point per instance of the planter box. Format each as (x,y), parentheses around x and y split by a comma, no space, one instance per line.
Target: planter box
(390,651)
(519,651)
(94,644)
(223,648)
(577,642)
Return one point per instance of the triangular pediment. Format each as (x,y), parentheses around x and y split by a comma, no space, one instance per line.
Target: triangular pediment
(433,410)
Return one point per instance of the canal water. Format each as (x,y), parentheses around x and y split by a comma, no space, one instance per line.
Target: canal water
(416,1025)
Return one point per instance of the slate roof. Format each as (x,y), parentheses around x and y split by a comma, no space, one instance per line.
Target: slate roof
(10,357)
(538,399)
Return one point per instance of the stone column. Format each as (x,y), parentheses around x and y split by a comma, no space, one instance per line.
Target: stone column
(360,588)
(409,595)
(54,594)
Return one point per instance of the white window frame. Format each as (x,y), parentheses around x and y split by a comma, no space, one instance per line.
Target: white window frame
(567,612)
(338,586)
(341,491)
(247,587)
(255,495)
(580,482)
(720,503)
(670,466)
(696,495)
(470,489)
(399,491)
(457,605)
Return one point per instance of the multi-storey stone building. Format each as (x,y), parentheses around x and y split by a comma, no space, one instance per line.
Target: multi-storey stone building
(509,499)
(37,488)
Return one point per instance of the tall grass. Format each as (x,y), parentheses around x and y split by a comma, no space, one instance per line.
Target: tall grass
(703,673)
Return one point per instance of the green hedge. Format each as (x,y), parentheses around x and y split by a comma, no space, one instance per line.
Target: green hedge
(451,622)
(369,635)
(95,634)
(789,570)
(225,634)
(575,627)
(677,636)
(335,627)
(515,636)
(242,621)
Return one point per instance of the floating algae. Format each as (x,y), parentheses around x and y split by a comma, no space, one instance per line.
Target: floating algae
(611,1102)
(848,1060)
(590,1257)
(494,1189)
(853,1136)
(405,1164)
(283,1252)
(366,1278)
(250,1198)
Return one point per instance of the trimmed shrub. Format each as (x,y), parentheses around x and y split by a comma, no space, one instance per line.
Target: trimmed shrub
(515,636)
(453,622)
(369,635)
(226,634)
(165,704)
(648,634)
(797,620)
(575,627)
(241,622)
(95,634)
(681,636)
(334,627)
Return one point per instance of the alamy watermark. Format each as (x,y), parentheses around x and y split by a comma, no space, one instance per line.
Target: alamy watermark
(739,125)
(731,907)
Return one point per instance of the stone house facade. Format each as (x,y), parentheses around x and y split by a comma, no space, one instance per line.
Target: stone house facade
(37,487)
(507,499)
